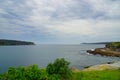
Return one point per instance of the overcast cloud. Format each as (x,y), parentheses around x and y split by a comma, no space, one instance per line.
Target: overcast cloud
(60,21)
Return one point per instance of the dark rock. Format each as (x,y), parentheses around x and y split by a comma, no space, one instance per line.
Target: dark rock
(87,66)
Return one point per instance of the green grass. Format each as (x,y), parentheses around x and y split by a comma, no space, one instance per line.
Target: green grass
(97,75)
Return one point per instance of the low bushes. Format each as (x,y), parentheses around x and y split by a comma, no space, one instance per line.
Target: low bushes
(59,70)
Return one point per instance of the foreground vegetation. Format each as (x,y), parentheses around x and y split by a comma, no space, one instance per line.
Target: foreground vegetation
(59,70)
(97,75)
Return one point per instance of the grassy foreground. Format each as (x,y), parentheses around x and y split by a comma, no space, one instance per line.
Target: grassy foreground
(97,75)
(59,70)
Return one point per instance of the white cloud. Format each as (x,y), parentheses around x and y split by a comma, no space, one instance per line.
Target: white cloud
(72,27)
(85,27)
(61,17)
(2,11)
(42,11)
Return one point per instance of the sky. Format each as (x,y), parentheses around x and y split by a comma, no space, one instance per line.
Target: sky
(60,21)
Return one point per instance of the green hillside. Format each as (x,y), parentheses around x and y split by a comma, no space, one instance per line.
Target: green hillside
(14,42)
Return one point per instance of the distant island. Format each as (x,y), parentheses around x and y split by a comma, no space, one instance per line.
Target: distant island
(99,43)
(14,42)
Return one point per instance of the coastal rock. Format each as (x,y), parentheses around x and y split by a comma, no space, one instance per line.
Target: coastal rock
(104,52)
(75,69)
(106,66)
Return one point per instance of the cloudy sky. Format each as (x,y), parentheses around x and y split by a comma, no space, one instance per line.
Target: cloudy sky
(60,21)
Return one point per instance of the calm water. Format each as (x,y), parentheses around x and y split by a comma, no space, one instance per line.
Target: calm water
(43,54)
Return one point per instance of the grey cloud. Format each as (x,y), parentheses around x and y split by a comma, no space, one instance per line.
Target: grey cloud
(52,16)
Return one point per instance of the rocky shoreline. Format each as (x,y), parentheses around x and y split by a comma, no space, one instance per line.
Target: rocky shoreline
(104,52)
(100,67)
(104,66)
(110,49)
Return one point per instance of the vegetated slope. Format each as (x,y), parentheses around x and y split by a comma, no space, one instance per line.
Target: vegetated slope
(14,42)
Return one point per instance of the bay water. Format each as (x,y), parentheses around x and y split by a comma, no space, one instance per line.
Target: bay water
(45,53)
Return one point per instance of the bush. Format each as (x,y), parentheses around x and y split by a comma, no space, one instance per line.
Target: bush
(59,68)
(22,73)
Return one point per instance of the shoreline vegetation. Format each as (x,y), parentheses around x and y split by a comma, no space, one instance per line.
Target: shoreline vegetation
(110,49)
(59,70)
(5,42)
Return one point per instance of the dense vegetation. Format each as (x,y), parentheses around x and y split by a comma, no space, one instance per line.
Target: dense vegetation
(14,42)
(98,43)
(113,45)
(24,73)
(59,70)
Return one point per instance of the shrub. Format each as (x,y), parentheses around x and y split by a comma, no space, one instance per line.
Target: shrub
(60,68)
(25,73)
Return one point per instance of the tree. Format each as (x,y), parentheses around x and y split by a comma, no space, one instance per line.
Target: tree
(59,68)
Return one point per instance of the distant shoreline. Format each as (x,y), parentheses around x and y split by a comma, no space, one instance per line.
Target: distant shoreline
(98,43)
(5,42)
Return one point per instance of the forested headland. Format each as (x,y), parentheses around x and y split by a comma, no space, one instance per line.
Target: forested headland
(4,42)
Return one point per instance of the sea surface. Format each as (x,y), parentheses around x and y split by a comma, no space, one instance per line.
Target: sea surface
(43,54)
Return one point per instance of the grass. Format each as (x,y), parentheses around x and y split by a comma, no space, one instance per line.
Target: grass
(97,75)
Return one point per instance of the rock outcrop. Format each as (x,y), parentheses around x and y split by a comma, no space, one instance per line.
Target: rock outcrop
(106,66)
(104,52)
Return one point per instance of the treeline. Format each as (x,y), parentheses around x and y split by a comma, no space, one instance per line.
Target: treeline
(14,42)
(98,43)
(113,46)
